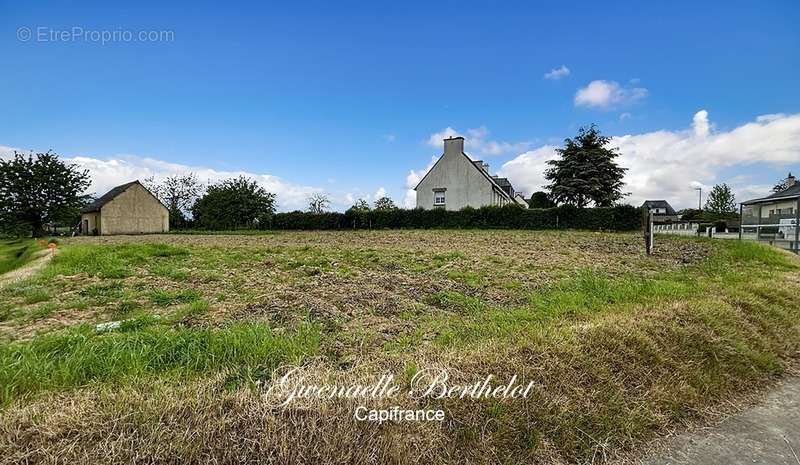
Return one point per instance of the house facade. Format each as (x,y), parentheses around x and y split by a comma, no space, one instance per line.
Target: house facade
(775,218)
(456,181)
(126,209)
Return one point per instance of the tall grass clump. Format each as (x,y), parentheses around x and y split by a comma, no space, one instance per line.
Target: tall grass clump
(15,253)
(108,261)
(80,356)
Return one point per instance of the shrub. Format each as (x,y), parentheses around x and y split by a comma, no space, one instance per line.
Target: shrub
(619,218)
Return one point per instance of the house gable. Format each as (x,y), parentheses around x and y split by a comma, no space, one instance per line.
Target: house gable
(132,209)
(459,181)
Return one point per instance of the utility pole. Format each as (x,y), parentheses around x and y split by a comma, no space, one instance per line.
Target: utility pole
(699,197)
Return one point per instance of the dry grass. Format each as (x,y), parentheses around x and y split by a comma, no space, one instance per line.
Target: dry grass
(620,347)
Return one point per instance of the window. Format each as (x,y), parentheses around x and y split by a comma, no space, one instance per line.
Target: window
(438,197)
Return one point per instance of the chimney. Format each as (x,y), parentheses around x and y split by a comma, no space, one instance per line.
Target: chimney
(454,145)
(485,167)
(790,181)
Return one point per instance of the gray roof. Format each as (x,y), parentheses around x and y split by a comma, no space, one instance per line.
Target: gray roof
(792,192)
(108,197)
(502,182)
(659,204)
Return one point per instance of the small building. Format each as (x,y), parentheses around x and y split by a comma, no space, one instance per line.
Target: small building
(456,181)
(774,218)
(662,211)
(126,209)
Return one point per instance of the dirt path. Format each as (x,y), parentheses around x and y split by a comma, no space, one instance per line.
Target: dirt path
(767,433)
(26,270)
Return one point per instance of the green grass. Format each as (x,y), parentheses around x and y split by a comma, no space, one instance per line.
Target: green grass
(475,321)
(108,261)
(15,253)
(620,345)
(166,298)
(80,356)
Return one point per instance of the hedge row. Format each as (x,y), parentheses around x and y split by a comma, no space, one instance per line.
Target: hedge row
(620,218)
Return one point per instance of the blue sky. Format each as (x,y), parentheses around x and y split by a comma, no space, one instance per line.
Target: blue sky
(345,97)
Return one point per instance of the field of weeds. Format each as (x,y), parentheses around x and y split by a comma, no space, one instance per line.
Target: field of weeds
(619,346)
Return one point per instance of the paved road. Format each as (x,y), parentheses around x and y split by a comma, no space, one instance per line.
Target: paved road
(768,434)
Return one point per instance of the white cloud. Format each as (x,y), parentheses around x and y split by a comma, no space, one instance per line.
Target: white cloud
(670,164)
(607,94)
(413,178)
(381,192)
(700,124)
(107,173)
(557,73)
(475,142)
(6,152)
(435,140)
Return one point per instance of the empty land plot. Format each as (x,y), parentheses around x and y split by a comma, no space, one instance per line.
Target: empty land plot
(620,346)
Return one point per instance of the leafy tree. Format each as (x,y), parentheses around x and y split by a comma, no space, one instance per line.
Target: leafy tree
(318,203)
(721,201)
(360,205)
(540,200)
(385,203)
(40,190)
(586,171)
(234,204)
(783,184)
(691,214)
(178,193)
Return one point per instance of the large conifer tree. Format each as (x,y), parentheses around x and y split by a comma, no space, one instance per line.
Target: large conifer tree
(586,171)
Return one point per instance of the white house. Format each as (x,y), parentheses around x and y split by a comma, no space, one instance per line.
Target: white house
(456,181)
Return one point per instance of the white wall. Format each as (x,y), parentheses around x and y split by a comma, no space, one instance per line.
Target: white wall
(465,185)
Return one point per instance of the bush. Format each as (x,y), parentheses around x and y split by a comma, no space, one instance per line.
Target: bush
(619,218)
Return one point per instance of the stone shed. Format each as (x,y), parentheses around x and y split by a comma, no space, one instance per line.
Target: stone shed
(126,209)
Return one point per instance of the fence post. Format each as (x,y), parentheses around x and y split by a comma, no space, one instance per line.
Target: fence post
(797,227)
(647,231)
(741,222)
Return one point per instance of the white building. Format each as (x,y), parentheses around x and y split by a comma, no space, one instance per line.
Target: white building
(456,181)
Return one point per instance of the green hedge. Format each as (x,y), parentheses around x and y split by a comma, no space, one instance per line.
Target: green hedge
(620,218)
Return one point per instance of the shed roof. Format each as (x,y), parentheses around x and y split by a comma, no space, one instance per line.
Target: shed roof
(111,195)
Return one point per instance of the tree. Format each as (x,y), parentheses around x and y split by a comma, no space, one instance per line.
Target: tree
(691,214)
(385,203)
(318,203)
(721,201)
(359,206)
(234,204)
(540,200)
(586,171)
(178,192)
(783,184)
(40,190)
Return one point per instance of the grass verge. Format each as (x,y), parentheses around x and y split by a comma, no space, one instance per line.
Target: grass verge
(79,356)
(15,253)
